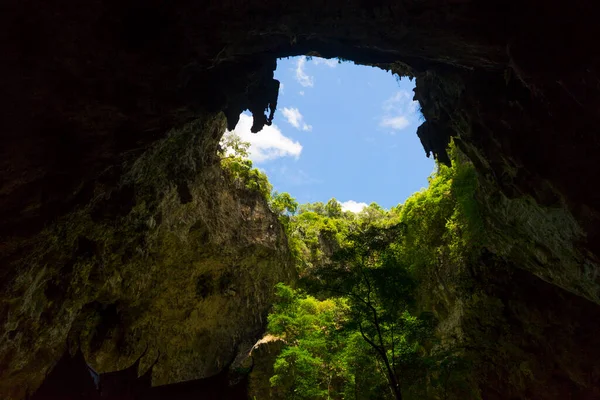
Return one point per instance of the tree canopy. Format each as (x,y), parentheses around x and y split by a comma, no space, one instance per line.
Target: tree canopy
(354,328)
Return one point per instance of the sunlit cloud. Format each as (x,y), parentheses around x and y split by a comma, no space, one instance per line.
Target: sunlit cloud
(398,111)
(396,123)
(353,206)
(295,118)
(268,144)
(301,76)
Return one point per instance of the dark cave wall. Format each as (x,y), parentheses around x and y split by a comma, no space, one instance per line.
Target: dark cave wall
(174,261)
(527,204)
(522,337)
(87,84)
(90,87)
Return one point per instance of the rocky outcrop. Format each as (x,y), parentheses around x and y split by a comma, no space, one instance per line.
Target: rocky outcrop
(174,258)
(522,337)
(89,87)
(262,360)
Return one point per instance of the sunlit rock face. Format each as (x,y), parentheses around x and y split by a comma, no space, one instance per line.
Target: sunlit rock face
(112,235)
(174,259)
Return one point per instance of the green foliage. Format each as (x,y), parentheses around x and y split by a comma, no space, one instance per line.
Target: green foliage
(373,213)
(317,207)
(318,230)
(350,346)
(358,332)
(361,336)
(283,204)
(232,144)
(333,209)
(309,362)
(364,326)
(234,161)
(444,228)
(368,273)
(314,235)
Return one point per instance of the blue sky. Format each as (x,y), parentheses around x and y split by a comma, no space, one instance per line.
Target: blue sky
(343,131)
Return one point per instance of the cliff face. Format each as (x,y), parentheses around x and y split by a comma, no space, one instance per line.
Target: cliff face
(524,337)
(90,87)
(173,257)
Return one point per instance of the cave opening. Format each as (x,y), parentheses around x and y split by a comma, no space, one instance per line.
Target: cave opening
(341,130)
(89,152)
(356,127)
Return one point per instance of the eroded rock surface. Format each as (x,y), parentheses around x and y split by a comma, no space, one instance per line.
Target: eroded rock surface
(175,258)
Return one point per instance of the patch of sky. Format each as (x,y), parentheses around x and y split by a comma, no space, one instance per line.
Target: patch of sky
(341,130)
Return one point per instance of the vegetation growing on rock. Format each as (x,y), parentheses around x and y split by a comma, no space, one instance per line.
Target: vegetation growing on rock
(167,258)
(357,327)
(410,302)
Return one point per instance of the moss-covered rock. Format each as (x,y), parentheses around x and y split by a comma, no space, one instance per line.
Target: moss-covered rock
(175,257)
(520,307)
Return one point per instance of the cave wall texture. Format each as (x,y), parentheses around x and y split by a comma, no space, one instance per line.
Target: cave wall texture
(106,216)
(175,260)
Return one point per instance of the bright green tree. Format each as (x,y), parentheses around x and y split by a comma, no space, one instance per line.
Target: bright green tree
(333,209)
(232,145)
(356,333)
(308,364)
(379,291)
(283,204)
(234,160)
(317,207)
(372,213)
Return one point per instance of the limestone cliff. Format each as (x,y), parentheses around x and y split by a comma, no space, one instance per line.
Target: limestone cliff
(174,256)
(523,337)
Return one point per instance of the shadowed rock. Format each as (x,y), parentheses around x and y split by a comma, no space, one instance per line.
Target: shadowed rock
(73,379)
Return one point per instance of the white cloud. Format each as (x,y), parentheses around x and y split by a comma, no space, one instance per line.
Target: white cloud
(330,62)
(268,144)
(281,88)
(353,206)
(301,76)
(301,93)
(307,80)
(395,123)
(295,118)
(398,110)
